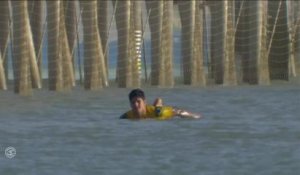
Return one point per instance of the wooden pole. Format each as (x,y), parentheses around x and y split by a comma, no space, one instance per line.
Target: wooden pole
(250,61)
(102,8)
(124,66)
(4,34)
(167,43)
(291,30)
(198,44)
(21,52)
(155,28)
(161,60)
(71,29)
(187,14)
(65,52)
(55,72)
(296,37)
(36,9)
(229,45)
(34,69)
(191,67)
(262,52)
(93,53)
(192,47)
(3,85)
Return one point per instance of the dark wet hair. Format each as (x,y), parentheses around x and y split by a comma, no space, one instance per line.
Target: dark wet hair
(136,93)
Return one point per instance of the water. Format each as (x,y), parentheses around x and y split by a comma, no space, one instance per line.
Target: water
(245,130)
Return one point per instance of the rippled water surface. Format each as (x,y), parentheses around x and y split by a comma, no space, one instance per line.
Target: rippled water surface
(245,130)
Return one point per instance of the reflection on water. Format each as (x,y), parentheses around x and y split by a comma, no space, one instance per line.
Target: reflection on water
(245,130)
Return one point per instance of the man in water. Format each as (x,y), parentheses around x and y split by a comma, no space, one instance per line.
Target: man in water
(140,109)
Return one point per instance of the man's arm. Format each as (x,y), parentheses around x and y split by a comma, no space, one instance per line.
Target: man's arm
(185,114)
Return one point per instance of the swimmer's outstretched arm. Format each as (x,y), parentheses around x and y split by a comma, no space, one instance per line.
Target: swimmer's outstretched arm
(185,114)
(177,112)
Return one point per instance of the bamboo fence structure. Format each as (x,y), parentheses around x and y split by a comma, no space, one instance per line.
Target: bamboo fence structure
(251,42)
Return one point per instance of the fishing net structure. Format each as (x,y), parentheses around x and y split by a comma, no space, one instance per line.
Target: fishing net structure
(130,43)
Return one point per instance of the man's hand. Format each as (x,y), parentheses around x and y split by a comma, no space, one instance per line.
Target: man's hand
(185,114)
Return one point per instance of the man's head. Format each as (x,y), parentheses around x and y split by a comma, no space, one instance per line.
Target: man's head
(137,102)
